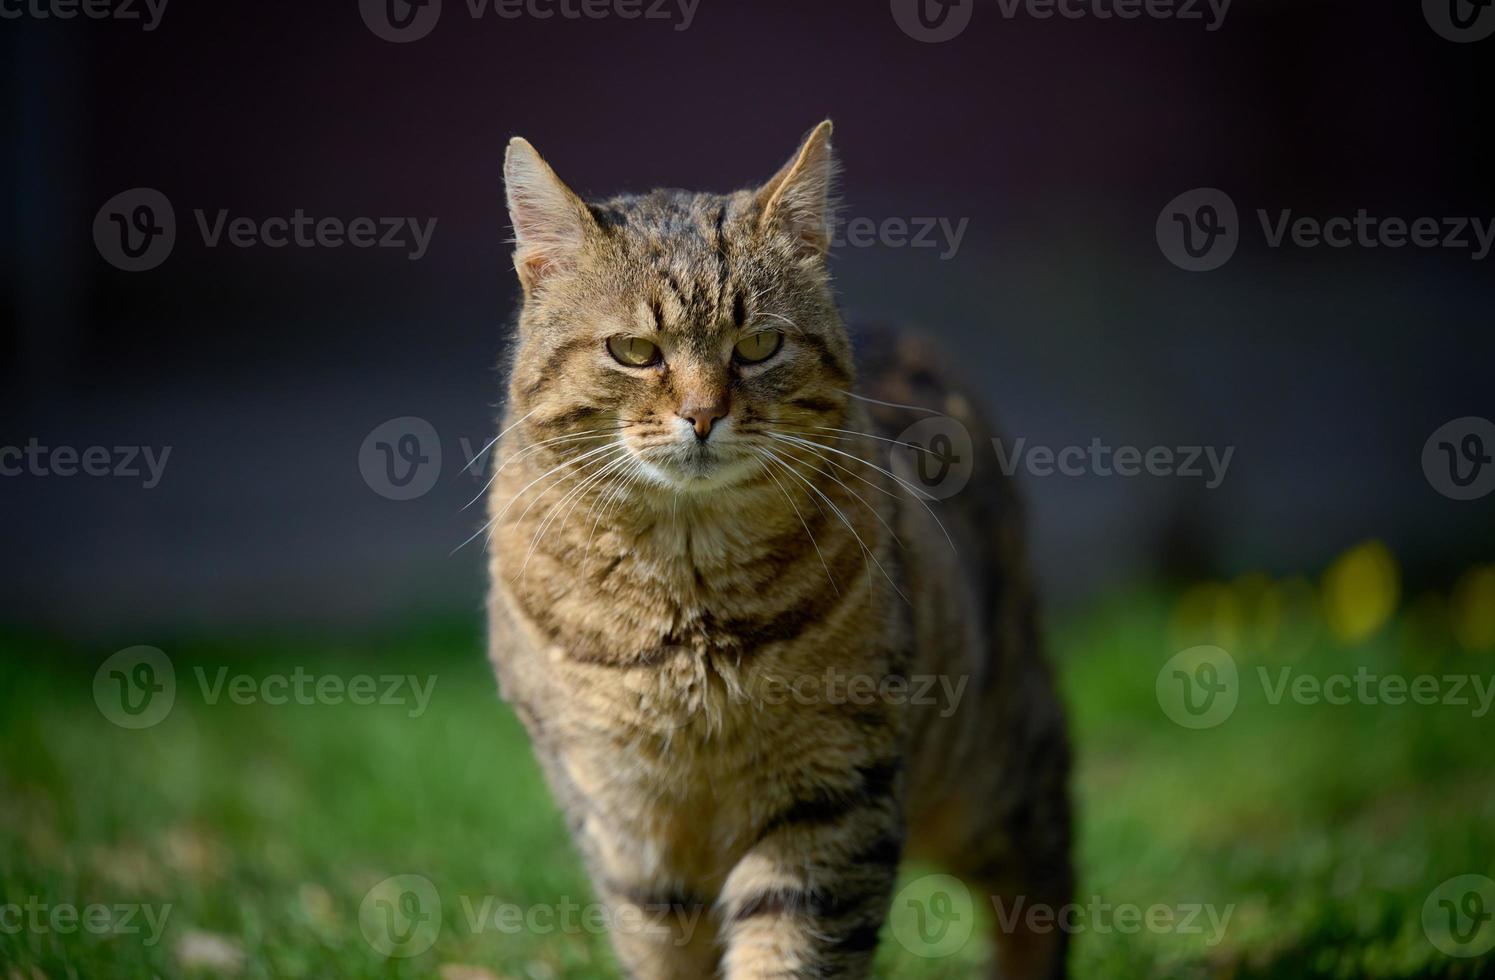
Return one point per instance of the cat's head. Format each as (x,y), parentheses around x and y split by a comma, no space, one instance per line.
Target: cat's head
(686,328)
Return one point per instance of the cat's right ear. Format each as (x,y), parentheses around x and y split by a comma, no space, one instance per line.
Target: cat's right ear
(550,222)
(799,200)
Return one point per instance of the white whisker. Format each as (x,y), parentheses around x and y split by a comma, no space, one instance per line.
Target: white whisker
(832,477)
(624,485)
(535,447)
(844,520)
(494,441)
(803,523)
(921,496)
(574,494)
(512,500)
(875,401)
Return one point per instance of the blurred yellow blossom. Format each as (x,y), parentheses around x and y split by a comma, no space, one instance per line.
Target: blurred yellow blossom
(1473,607)
(1207,614)
(1361,590)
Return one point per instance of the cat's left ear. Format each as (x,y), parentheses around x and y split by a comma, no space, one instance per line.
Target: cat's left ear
(799,201)
(551,224)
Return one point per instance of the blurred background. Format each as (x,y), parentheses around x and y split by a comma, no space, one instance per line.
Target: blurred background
(1053,145)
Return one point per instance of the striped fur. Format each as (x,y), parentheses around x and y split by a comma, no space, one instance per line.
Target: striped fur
(649,609)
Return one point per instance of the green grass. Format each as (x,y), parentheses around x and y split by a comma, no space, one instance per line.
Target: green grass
(1323,830)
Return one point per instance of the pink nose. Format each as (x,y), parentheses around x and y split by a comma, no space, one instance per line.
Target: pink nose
(702,412)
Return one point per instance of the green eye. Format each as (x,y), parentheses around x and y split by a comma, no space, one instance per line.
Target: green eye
(633,351)
(759,346)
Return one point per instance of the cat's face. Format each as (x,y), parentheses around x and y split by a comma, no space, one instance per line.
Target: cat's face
(691,333)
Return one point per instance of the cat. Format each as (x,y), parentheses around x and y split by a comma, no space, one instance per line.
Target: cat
(696,528)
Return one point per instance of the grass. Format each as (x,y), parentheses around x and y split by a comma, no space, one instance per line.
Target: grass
(1320,830)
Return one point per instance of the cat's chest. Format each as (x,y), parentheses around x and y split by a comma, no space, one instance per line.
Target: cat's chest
(671,587)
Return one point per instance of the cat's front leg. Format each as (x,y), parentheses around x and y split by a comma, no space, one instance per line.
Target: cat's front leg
(810,896)
(661,928)
(658,934)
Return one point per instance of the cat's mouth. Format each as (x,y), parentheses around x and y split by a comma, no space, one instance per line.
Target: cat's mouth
(699,466)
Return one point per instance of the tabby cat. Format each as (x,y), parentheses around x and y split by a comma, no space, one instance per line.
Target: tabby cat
(696,513)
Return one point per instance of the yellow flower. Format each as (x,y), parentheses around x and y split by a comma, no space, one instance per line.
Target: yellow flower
(1474,609)
(1360,591)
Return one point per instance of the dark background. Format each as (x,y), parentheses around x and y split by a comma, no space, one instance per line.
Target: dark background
(1060,141)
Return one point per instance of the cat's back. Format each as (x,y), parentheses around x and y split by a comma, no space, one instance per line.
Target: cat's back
(940,443)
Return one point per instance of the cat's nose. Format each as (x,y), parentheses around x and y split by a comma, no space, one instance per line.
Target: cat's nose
(703,412)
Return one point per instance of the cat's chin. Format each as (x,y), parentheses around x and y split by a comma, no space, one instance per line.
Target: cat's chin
(700,475)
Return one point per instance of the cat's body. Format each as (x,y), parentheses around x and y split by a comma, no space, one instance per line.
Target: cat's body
(716,646)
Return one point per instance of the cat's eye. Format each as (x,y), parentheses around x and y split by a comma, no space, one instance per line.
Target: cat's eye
(758,347)
(633,351)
